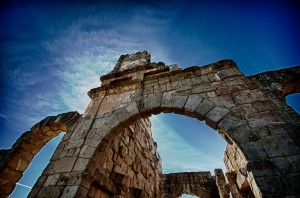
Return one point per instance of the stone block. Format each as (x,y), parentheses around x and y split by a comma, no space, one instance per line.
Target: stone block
(133,111)
(261,168)
(51,180)
(229,122)
(248,109)
(123,151)
(249,96)
(214,116)
(150,83)
(87,151)
(283,164)
(264,119)
(67,135)
(253,150)
(69,152)
(229,73)
(278,130)
(243,134)
(150,104)
(81,164)
(203,88)
(103,130)
(17,164)
(148,90)
(74,144)
(27,146)
(34,191)
(267,105)
(172,85)
(64,164)
(213,77)
(108,106)
(164,80)
(95,141)
(172,102)
(113,122)
(186,83)
(74,191)
(124,116)
(167,101)
(280,145)
(211,94)
(10,174)
(271,186)
(191,104)
(50,191)
(200,80)
(295,161)
(203,108)
(293,183)
(206,69)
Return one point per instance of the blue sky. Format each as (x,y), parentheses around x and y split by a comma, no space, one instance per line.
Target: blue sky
(53,52)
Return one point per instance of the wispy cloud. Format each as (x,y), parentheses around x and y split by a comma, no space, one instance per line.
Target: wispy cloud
(3,116)
(52,72)
(179,155)
(90,46)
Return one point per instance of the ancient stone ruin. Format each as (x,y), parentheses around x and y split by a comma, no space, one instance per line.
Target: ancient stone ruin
(109,151)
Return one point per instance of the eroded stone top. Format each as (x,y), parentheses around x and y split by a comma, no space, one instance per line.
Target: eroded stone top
(133,67)
(130,61)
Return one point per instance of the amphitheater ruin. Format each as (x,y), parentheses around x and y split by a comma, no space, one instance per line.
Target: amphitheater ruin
(109,151)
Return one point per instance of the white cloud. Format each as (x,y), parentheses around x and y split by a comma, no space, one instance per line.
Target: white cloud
(177,154)
(81,55)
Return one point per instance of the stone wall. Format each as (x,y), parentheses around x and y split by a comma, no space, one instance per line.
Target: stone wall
(128,164)
(200,184)
(277,85)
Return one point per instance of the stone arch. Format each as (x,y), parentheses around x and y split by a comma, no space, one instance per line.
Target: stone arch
(15,161)
(108,125)
(263,149)
(192,105)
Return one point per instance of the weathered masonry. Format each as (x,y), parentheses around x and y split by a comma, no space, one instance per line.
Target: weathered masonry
(109,151)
